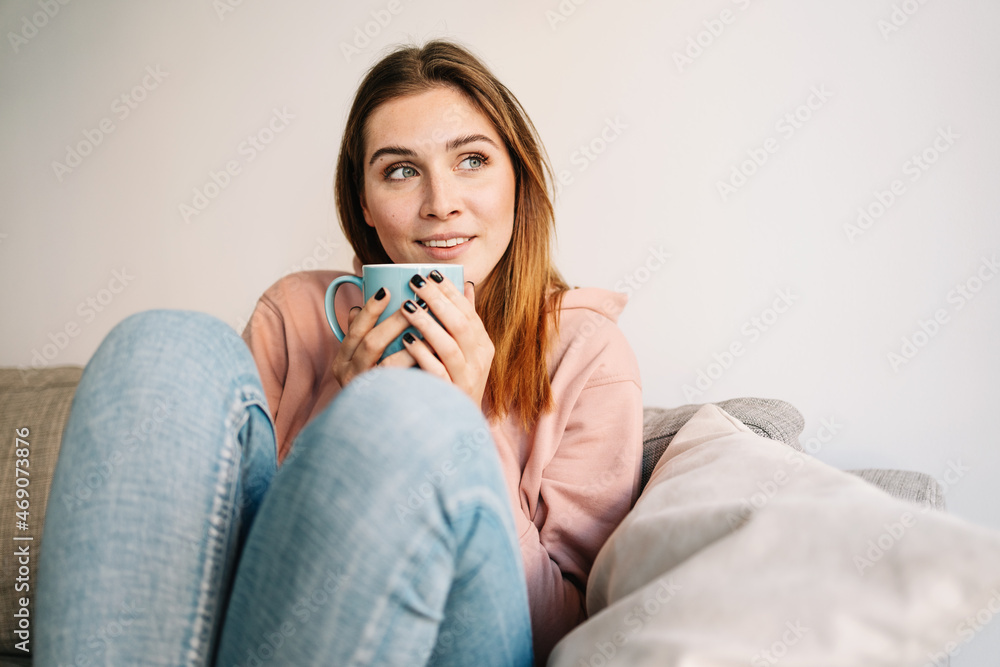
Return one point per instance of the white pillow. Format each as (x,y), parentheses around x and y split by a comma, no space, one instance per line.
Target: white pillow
(743,551)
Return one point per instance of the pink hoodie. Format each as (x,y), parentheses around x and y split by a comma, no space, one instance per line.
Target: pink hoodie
(571,479)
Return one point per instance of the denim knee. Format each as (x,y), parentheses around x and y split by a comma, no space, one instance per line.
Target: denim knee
(403,422)
(202,336)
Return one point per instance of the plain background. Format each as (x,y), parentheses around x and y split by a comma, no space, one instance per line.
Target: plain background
(808,111)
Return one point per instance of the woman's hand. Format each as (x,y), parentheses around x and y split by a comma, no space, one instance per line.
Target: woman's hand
(458,349)
(365,341)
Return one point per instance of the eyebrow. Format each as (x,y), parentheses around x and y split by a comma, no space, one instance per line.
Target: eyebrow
(452,145)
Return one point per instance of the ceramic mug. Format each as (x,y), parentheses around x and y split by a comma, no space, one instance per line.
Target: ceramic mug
(395,278)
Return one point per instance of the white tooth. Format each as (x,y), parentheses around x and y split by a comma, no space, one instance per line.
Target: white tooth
(450,243)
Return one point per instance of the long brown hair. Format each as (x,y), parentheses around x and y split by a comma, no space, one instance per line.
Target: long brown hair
(525,286)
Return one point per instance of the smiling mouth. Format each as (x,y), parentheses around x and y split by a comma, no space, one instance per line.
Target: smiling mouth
(446,243)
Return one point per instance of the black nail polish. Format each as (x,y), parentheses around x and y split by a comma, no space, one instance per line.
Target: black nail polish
(380,294)
(417,281)
(409,338)
(421,303)
(409,306)
(436,276)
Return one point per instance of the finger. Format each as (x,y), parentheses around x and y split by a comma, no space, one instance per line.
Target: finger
(401,359)
(351,315)
(372,346)
(441,342)
(424,357)
(361,322)
(470,292)
(444,300)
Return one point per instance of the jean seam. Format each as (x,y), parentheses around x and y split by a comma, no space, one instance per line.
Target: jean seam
(219,530)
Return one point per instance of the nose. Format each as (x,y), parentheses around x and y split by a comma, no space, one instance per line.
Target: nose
(441,198)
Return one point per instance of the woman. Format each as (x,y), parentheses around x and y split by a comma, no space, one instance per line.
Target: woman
(444,514)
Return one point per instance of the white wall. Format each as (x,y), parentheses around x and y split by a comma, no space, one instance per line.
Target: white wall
(604,69)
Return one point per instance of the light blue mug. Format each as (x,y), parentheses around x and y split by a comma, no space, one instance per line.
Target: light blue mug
(395,278)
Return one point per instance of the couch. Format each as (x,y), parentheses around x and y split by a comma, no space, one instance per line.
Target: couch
(39,401)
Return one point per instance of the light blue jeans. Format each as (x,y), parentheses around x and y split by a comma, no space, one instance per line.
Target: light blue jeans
(385,538)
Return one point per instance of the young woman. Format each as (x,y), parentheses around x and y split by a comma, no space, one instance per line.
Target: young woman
(280,500)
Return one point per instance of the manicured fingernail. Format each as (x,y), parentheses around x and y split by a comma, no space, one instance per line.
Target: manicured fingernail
(436,276)
(355,308)
(471,283)
(422,303)
(380,294)
(409,338)
(409,306)
(417,281)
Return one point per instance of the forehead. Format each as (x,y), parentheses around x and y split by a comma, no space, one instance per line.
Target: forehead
(426,120)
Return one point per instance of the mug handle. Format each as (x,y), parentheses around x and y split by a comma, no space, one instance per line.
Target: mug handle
(331,292)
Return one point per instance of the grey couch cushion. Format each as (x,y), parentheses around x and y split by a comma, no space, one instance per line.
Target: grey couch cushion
(917,487)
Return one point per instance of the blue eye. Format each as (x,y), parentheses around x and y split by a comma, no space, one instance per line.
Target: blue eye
(475,162)
(404,172)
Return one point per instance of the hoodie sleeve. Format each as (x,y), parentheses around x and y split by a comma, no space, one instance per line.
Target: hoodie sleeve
(265,336)
(588,478)
(294,348)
